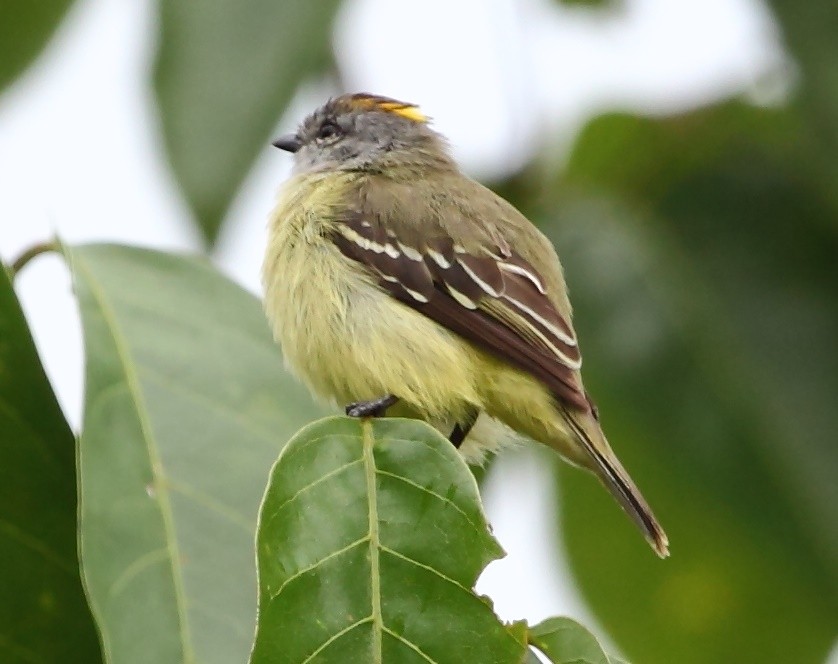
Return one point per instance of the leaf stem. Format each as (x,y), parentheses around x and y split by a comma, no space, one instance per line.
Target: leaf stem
(28,254)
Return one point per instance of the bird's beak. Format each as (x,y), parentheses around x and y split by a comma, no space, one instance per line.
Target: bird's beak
(289,143)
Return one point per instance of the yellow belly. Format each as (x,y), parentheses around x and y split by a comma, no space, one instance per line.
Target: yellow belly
(350,341)
(345,337)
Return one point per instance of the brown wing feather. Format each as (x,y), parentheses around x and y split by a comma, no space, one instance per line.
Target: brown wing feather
(506,312)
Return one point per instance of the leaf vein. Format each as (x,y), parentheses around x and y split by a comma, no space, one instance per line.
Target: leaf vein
(316,564)
(138,565)
(335,637)
(408,559)
(216,407)
(15,533)
(432,493)
(212,505)
(155,462)
(375,544)
(313,484)
(410,645)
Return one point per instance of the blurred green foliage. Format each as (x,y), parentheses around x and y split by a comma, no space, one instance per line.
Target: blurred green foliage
(701,250)
(809,29)
(225,70)
(728,217)
(25,28)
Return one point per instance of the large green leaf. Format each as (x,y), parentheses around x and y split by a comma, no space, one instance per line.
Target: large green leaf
(565,641)
(43,611)
(705,297)
(225,71)
(371,537)
(25,28)
(186,408)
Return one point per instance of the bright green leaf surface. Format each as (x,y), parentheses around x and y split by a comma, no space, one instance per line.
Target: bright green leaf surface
(25,28)
(225,72)
(43,611)
(565,641)
(186,408)
(371,537)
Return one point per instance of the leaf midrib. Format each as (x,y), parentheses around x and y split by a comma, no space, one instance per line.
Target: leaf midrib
(161,492)
(374,542)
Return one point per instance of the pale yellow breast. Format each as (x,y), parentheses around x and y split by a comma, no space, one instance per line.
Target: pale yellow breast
(345,337)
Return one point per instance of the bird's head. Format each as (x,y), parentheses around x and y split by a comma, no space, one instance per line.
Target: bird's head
(366,132)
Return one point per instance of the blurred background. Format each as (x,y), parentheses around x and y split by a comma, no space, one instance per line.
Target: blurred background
(683,157)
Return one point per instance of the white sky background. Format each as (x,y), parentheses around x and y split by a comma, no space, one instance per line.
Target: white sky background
(80,156)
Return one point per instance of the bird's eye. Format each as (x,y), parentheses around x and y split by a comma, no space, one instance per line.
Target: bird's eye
(328,130)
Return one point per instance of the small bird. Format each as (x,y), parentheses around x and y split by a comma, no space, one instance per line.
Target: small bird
(395,283)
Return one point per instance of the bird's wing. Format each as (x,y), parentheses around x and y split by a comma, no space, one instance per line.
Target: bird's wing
(487,294)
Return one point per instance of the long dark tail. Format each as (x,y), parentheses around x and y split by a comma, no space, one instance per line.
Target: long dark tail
(612,474)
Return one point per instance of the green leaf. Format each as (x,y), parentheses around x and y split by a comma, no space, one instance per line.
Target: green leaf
(186,407)
(371,538)
(25,28)
(43,611)
(225,72)
(565,641)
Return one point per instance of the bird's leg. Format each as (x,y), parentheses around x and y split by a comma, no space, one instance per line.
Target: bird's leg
(372,408)
(461,429)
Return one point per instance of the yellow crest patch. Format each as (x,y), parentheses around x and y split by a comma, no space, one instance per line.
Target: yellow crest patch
(376,102)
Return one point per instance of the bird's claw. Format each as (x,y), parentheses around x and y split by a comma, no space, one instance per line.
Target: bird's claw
(372,408)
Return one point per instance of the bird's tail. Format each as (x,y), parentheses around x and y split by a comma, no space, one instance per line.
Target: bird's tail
(612,474)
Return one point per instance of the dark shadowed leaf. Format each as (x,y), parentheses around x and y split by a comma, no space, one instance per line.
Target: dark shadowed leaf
(565,641)
(225,72)
(699,251)
(741,553)
(186,408)
(25,28)
(43,611)
(391,579)
(741,228)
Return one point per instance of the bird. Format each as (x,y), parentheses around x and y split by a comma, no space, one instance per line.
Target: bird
(395,283)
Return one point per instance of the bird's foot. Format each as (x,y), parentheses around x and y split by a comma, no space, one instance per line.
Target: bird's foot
(372,408)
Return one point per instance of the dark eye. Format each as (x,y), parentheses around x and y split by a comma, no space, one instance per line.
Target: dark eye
(328,129)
